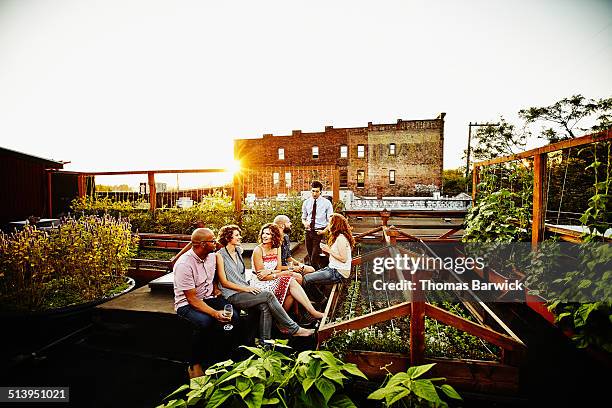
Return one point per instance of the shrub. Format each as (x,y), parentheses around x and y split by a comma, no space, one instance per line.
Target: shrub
(82,260)
(214,211)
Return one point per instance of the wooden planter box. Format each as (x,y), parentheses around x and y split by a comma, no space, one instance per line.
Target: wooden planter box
(468,375)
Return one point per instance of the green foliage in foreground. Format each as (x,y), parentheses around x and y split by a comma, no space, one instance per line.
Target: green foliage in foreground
(408,390)
(269,377)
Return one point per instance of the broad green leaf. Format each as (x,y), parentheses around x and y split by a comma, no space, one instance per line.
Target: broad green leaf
(314,368)
(398,378)
(352,369)
(255,350)
(417,371)
(426,390)
(383,392)
(194,399)
(176,404)
(304,357)
(270,401)
(177,391)
(398,396)
(326,387)
(198,382)
(328,358)
(251,372)
(450,391)
(254,400)
(243,383)
(341,401)
(334,375)
(230,376)
(307,383)
(218,398)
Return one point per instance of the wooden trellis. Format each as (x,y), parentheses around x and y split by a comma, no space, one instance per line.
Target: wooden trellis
(416,308)
(540,157)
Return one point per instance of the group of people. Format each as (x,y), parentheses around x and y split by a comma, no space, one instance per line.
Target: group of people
(210,273)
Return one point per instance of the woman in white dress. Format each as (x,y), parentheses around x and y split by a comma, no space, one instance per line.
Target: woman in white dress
(285,284)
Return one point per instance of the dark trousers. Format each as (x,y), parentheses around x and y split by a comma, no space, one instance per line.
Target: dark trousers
(210,343)
(313,240)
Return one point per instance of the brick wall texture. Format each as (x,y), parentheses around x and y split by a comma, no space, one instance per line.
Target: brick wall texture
(417,159)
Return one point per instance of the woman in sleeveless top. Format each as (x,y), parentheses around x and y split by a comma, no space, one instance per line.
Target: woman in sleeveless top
(339,248)
(237,290)
(285,284)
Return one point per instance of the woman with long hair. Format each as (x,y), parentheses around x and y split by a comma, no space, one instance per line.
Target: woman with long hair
(285,284)
(339,247)
(237,290)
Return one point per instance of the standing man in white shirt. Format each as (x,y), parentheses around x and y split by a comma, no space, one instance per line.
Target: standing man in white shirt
(316,212)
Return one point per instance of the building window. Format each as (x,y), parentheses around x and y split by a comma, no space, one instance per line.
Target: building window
(315,152)
(281,153)
(391,177)
(392,149)
(343,178)
(361,151)
(343,151)
(288,179)
(276,178)
(360,178)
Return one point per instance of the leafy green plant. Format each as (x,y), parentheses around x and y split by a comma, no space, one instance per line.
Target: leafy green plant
(381,338)
(80,261)
(261,212)
(408,390)
(501,214)
(214,211)
(269,377)
(591,322)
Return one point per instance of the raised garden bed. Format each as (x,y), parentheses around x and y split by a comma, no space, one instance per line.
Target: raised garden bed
(372,328)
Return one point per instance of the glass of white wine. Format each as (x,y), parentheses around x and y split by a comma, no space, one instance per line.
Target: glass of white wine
(228,311)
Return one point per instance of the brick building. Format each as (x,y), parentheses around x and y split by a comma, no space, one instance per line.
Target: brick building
(398,159)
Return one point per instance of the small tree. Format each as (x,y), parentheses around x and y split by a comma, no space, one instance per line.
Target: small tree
(453,182)
(566,114)
(495,141)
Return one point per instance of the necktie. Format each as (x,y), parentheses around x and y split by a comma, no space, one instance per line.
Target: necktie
(314,216)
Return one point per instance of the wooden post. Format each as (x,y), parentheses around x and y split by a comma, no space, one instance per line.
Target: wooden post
(237,196)
(384,216)
(336,186)
(417,323)
(539,176)
(393,234)
(152,191)
(81,185)
(50,193)
(474,183)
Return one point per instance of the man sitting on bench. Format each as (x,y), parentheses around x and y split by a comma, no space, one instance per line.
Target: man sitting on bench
(197,299)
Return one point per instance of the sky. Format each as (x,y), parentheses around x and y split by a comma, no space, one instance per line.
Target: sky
(147,84)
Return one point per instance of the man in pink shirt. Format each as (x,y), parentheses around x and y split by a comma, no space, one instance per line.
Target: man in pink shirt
(196,300)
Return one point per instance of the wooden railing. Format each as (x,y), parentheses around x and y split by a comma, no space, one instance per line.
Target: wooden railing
(539,156)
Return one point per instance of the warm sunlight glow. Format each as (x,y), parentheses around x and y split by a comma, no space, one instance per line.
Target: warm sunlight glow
(234,167)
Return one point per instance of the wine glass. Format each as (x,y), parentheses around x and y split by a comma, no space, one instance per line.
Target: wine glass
(228,311)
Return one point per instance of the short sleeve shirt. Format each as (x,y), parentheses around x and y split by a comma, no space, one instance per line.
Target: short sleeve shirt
(191,272)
